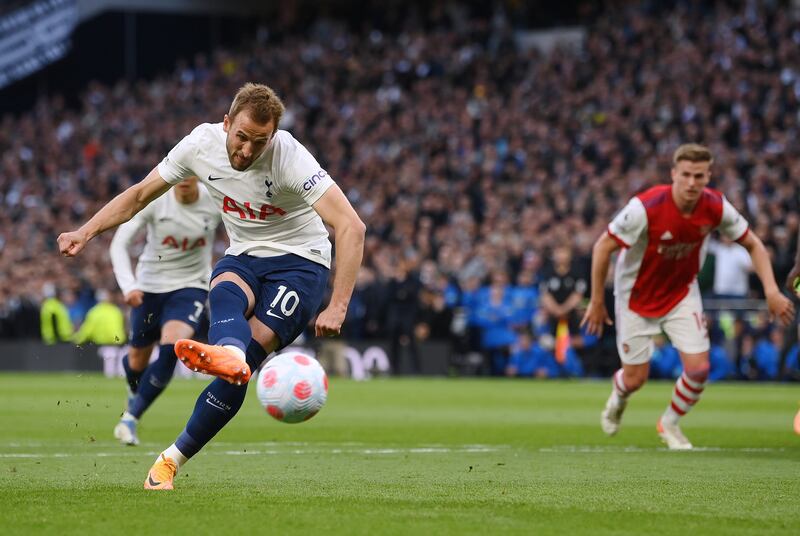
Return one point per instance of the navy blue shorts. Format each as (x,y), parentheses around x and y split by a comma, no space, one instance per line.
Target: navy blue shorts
(288,290)
(185,304)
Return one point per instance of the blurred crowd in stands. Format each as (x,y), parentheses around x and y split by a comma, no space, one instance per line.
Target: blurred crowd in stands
(483,169)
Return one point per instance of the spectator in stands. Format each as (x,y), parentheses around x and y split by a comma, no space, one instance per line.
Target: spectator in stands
(477,157)
(791,364)
(495,317)
(56,325)
(721,367)
(104,324)
(764,363)
(563,288)
(666,362)
(401,316)
(528,359)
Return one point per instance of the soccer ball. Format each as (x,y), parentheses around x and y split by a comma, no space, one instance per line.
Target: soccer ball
(292,387)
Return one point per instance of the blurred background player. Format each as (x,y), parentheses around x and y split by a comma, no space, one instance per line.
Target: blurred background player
(275,200)
(663,233)
(167,294)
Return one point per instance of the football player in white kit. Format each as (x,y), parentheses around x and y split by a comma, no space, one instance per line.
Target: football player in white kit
(168,292)
(663,233)
(275,201)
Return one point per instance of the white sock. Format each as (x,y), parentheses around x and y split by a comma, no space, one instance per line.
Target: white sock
(176,455)
(128,417)
(670,416)
(236,350)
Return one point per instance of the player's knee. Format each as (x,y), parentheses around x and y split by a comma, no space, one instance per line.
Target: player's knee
(138,358)
(174,330)
(635,378)
(698,373)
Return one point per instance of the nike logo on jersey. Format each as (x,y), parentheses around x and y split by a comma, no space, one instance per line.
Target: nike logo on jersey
(666,236)
(270,313)
(216,178)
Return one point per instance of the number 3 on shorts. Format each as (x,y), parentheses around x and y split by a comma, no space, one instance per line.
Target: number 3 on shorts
(289,302)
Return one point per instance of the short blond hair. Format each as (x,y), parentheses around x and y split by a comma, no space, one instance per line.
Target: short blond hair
(692,152)
(260,101)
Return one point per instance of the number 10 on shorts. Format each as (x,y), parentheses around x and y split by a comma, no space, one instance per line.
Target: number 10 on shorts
(288,301)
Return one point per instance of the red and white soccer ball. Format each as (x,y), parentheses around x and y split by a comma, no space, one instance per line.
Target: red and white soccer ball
(292,387)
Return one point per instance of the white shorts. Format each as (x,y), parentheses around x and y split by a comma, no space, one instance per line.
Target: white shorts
(684,325)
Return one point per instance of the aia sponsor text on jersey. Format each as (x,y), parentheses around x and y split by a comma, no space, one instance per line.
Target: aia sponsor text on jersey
(186,244)
(247,212)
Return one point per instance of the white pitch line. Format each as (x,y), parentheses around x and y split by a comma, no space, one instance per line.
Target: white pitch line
(583,449)
(270,452)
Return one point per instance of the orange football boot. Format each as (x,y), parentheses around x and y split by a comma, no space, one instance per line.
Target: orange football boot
(161,474)
(797,423)
(215,360)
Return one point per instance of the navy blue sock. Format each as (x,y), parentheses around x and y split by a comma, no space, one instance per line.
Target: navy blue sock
(228,324)
(132,376)
(154,380)
(217,405)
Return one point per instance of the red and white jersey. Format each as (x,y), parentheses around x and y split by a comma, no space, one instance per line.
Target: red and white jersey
(177,253)
(663,250)
(267,208)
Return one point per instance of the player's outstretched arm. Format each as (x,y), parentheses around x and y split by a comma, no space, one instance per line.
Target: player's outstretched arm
(596,316)
(117,211)
(780,306)
(348,229)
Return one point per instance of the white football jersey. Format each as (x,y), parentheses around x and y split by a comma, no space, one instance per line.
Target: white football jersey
(267,209)
(177,252)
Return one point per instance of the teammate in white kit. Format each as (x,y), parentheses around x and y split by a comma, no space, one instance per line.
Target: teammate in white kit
(663,234)
(275,201)
(168,292)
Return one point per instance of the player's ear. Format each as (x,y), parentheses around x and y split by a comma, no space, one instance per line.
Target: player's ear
(226,123)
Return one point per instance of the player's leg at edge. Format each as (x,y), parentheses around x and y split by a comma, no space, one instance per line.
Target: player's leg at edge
(685,395)
(797,423)
(231,300)
(627,380)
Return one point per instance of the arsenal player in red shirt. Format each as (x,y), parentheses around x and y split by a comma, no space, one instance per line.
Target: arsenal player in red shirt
(663,234)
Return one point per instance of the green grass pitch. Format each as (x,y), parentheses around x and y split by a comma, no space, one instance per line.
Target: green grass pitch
(403,456)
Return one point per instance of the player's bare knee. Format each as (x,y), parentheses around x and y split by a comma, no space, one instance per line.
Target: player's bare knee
(634,381)
(698,373)
(264,335)
(174,330)
(242,284)
(635,376)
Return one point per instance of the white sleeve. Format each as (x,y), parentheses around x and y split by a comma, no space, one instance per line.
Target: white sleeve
(305,176)
(177,165)
(120,260)
(629,224)
(733,225)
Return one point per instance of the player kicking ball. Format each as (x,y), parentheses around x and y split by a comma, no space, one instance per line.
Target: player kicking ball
(275,201)
(663,234)
(168,292)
